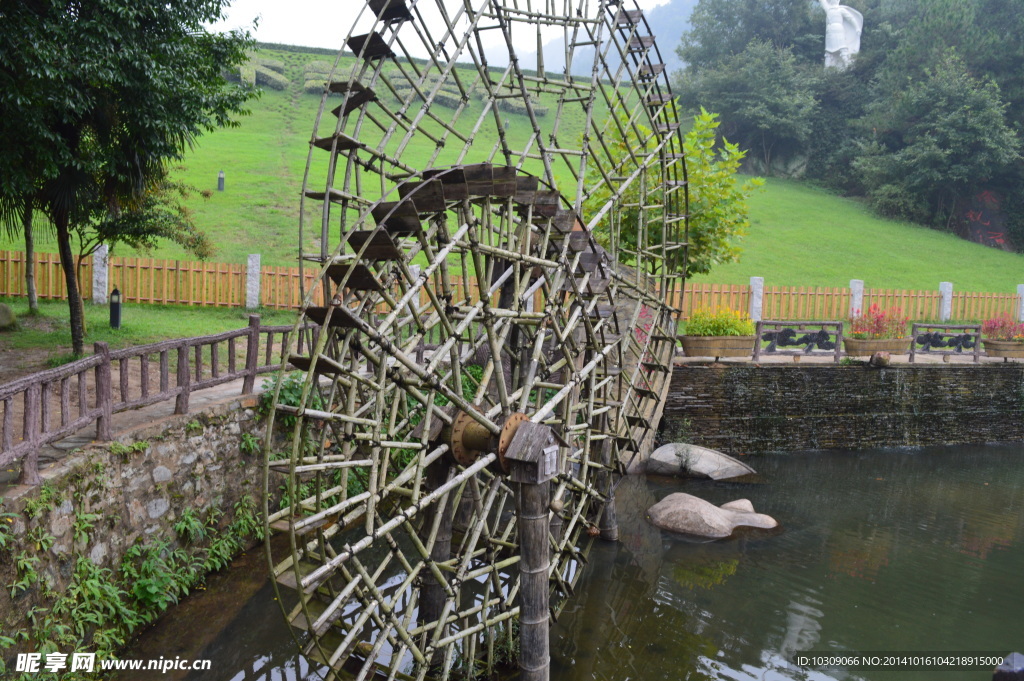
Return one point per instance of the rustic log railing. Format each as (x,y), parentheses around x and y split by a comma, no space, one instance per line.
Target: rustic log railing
(818,338)
(959,337)
(61,401)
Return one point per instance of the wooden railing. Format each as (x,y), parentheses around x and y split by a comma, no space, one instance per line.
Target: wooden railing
(61,401)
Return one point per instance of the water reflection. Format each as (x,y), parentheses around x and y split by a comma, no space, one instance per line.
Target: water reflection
(890,550)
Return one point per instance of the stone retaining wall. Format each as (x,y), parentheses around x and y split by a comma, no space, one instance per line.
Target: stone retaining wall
(770,408)
(100,501)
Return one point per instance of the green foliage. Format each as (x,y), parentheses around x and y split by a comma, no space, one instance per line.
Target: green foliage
(193,427)
(718,209)
(89,136)
(42,539)
(765,97)
(126,452)
(93,600)
(84,522)
(934,142)
(158,575)
(249,444)
(723,322)
(159,213)
(928,114)
(720,29)
(190,526)
(247,521)
(270,78)
(6,520)
(44,500)
(25,566)
(290,394)
(718,199)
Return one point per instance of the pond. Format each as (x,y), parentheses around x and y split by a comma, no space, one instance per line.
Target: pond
(889,550)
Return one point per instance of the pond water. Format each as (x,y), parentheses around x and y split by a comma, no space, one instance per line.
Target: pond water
(898,550)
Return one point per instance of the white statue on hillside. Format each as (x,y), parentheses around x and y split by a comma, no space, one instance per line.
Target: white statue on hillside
(842,33)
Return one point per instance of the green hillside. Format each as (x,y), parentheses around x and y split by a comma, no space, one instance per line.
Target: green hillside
(799,235)
(804,236)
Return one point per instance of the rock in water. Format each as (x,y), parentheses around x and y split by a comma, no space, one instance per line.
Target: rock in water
(693,461)
(1012,668)
(880,359)
(8,322)
(687,514)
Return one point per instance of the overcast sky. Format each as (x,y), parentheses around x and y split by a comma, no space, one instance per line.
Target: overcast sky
(312,23)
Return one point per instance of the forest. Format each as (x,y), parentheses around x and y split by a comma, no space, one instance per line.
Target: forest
(925,124)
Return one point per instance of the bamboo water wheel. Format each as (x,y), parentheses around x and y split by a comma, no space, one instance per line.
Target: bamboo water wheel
(497,246)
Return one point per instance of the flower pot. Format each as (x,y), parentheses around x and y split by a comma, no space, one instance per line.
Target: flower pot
(995,348)
(718,346)
(869,346)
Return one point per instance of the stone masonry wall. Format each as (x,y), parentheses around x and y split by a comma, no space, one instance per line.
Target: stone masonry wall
(753,409)
(100,501)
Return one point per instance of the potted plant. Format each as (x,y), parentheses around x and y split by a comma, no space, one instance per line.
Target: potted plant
(877,330)
(725,333)
(1003,337)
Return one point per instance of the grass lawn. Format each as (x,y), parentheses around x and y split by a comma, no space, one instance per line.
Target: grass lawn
(804,236)
(49,332)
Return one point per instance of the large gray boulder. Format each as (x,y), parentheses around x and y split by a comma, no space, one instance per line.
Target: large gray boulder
(696,462)
(8,322)
(687,514)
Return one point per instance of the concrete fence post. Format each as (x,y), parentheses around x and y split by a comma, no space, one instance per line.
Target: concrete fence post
(100,275)
(252,282)
(856,297)
(756,298)
(946,291)
(1020,302)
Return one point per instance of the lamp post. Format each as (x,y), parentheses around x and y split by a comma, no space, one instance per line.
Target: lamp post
(115,309)
(220,181)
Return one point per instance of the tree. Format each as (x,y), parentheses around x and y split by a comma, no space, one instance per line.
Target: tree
(718,209)
(720,29)
(96,97)
(719,215)
(934,142)
(765,97)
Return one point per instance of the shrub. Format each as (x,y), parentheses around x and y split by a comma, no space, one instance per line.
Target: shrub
(267,63)
(879,323)
(314,87)
(248,73)
(1003,328)
(721,323)
(271,79)
(317,67)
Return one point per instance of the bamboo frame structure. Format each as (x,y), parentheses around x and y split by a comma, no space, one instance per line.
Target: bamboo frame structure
(520,276)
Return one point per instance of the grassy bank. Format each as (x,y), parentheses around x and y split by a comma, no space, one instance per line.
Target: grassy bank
(49,332)
(804,236)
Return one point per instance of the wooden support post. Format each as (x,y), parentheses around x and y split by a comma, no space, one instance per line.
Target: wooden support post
(104,393)
(534,565)
(252,354)
(609,522)
(184,381)
(532,457)
(432,597)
